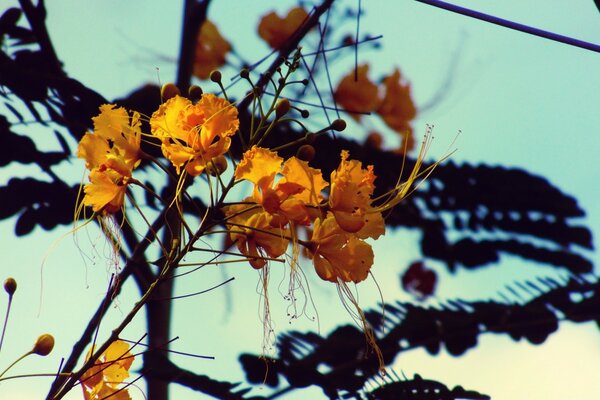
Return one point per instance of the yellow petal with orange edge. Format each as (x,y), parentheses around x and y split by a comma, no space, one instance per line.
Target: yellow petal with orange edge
(165,122)
(350,222)
(297,171)
(93,149)
(221,119)
(118,351)
(374,226)
(259,166)
(109,123)
(103,194)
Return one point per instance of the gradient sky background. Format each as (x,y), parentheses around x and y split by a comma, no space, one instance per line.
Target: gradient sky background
(518,100)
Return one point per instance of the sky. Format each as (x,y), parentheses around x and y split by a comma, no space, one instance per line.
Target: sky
(517,100)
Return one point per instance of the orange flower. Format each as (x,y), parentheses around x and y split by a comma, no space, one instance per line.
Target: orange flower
(397,108)
(194,134)
(108,373)
(254,235)
(300,185)
(358,96)
(338,255)
(110,153)
(350,198)
(276,30)
(211,49)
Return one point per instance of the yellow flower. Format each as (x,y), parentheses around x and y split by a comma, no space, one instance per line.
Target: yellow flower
(106,190)
(350,199)
(358,96)
(397,108)
(276,30)
(194,134)
(285,201)
(254,235)
(338,255)
(108,373)
(110,153)
(211,49)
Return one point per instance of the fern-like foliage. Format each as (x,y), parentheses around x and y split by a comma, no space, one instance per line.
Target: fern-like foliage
(338,362)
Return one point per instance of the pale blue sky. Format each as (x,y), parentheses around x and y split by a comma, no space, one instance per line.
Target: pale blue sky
(518,101)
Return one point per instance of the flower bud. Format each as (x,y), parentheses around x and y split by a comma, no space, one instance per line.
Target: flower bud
(194,92)
(168,91)
(43,345)
(304,113)
(282,108)
(374,140)
(338,125)
(306,152)
(217,166)
(10,286)
(215,76)
(244,73)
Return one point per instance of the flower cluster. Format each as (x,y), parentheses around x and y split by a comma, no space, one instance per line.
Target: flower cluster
(111,154)
(358,94)
(193,137)
(105,377)
(290,194)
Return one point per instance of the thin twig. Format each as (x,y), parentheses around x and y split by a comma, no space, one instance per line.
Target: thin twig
(513,25)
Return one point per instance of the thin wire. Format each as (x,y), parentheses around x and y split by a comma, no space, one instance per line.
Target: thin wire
(513,25)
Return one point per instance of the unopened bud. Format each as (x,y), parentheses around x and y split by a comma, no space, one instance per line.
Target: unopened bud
(282,108)
(338,125)
(348,40)
(43,345)
(10,286)
(306,152)
(217,166)
(215,76)
(244,73)
(195,92)
(304,113)
(168,91)
(305,82)
(374,140)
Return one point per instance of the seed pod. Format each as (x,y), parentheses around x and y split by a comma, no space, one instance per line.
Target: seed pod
(10,286)
(306,152)
(43,345)
(168,91)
